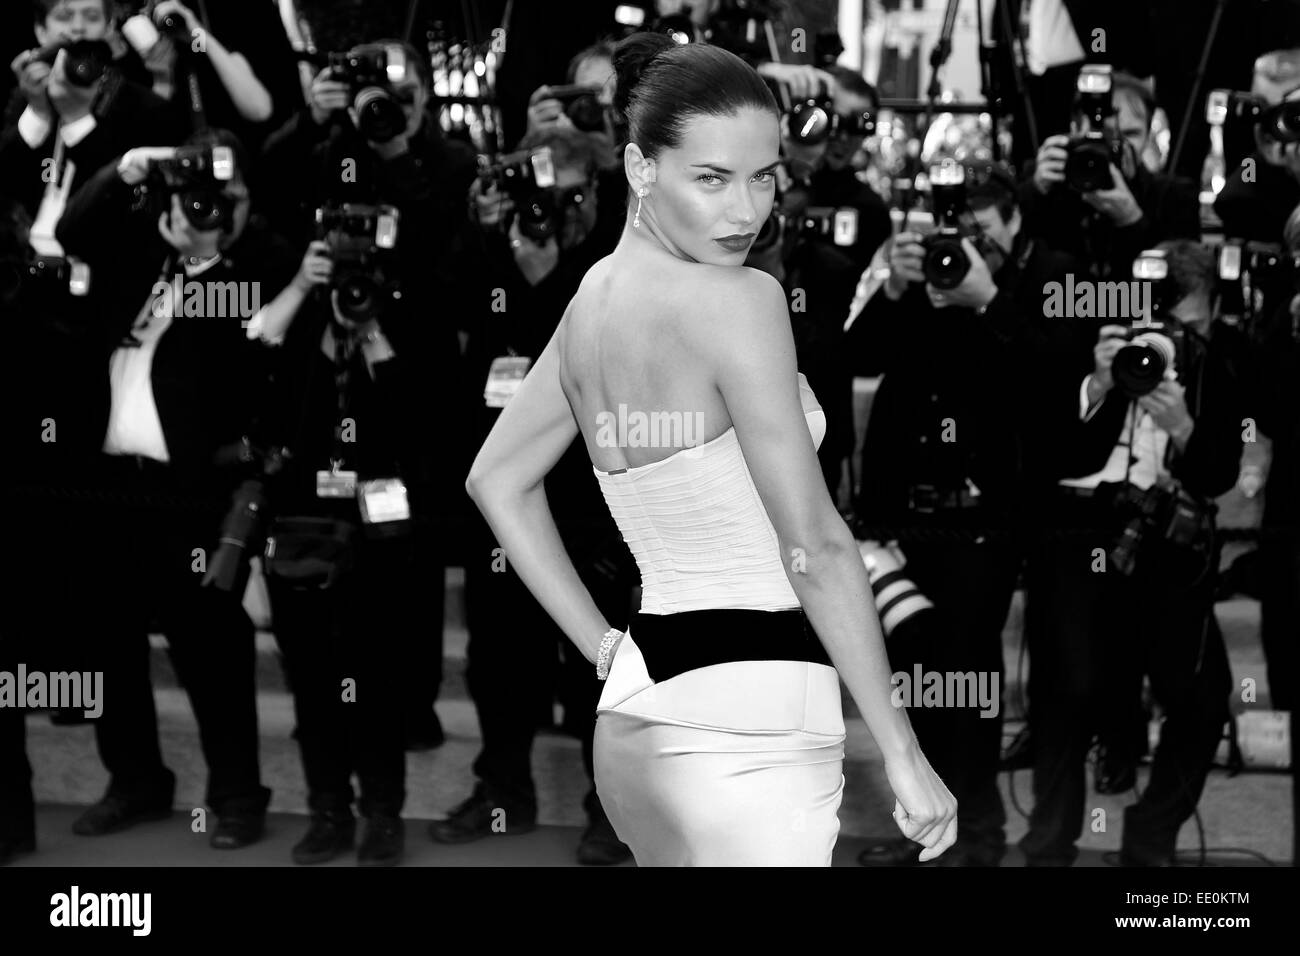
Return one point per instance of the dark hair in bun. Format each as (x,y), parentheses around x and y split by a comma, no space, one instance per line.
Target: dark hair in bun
(662,84)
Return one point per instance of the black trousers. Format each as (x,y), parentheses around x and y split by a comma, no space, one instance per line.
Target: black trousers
(352,655)
(512,649)
(1090,629)
(971,584)
(143,565)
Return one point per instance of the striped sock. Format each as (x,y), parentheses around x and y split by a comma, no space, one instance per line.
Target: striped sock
(897,599)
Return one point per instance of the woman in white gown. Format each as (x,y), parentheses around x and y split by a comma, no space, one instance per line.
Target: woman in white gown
(720,736)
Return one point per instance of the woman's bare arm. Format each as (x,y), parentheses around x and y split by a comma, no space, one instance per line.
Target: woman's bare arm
(752,352)
(751,349)
(533,432)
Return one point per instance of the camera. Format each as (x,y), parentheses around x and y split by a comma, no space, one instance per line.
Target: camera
(1279,123)
(1154,342)
(85,63)
(1163,512)
(36,276)
(814,121)
(198,175)
(358,237)
(945,263)
(1090,154)
(371,71)
(581,105)
(528,178)
(1252,274)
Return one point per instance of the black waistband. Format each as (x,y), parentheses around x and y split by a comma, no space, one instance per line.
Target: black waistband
(675,643)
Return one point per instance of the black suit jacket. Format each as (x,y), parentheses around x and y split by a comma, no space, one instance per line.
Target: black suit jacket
(963,395)
(207,375)
(1209,465)
(126,116)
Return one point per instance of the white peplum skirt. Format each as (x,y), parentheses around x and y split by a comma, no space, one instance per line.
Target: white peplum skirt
(737,764)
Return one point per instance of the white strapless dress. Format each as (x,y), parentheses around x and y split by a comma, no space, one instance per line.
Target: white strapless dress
(731,764)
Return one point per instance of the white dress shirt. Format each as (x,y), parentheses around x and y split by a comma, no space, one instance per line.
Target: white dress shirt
(134,427)
(34,130)
(1140,458)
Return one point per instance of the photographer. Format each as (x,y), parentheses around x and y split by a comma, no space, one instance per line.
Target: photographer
(1066,202)
(532,267)
(1122,580)
(823,269)
(348,576)
(391,151)
(179,264)
(947,460)
(239,54)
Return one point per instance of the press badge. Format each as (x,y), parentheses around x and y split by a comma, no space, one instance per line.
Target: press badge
(504,378)
(383,499)
(336,483)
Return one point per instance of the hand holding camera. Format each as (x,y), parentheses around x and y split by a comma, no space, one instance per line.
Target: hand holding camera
(328,96)
(545,110)
(976,288)
(1049,167)
(135,164)
(317,267)
(804,82)
(33,76)
(906,262)
(1167,406)
(1110,340)
(490,204)
(71,98)
(1117,202)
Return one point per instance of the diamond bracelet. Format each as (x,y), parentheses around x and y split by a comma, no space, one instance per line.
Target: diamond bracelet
(607,645)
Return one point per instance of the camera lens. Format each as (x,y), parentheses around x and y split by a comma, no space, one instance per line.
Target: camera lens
(810,124)
(1140,366)
(945,263)
(587,114)
(1087,167)
(206,210)
(358,296)
(86,62)
(379,116)
(538,216)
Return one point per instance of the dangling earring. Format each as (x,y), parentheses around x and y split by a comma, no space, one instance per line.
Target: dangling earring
(636,219)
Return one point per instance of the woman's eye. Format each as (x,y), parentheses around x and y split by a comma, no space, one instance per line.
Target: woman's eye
(703,176)
(766,177)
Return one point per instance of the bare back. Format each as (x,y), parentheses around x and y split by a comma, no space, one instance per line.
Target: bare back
(629,349)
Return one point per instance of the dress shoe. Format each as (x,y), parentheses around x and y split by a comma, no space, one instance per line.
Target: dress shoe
(12,847)
(971,853)
(114,813)
(1115,772)
(381,841)
(600,845)
(236,830)
(1129,856)
(327,837)
(474,819)
(896,851)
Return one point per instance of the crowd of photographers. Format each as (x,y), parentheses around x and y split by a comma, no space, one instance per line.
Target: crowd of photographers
(257,319)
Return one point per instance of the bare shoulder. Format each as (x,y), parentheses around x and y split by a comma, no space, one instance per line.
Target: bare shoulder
(744,312)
